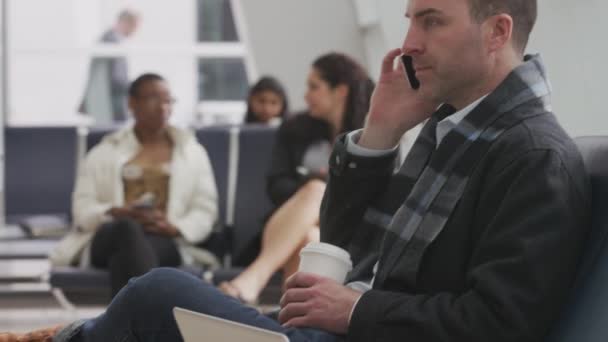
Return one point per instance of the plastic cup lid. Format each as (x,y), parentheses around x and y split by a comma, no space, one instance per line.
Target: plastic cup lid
(326,248)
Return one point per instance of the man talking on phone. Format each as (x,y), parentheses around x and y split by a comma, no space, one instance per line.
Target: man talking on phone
(481,229)
(477,235)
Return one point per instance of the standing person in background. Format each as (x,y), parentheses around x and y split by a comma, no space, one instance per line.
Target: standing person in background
(338,95)
(267,102)
(105,97)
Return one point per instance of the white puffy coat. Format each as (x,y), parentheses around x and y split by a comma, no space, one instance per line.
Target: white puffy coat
(192,205)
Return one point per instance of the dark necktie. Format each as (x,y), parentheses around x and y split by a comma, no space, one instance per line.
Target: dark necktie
(443,112)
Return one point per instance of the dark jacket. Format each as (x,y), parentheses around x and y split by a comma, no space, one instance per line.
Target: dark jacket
(294,137)
(502,266)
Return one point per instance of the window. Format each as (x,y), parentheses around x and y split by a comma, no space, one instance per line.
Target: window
(222,79)
(216,21)
(198,45)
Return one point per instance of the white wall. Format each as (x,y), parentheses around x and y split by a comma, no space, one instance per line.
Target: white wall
(45,64)
(52,41)
(51,49)
(287,35)
(570,36)
(2,109)
(2,90)
(168,25)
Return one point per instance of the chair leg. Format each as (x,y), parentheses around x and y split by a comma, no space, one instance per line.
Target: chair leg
(64,302)
(227,260)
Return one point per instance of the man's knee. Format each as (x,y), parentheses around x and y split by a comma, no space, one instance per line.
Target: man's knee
(161,275)
(164,288)
(148,288)
(153,292)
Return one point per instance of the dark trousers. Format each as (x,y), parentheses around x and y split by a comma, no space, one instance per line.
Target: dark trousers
(127,251)
(143,311)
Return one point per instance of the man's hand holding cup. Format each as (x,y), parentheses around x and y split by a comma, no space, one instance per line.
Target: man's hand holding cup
(315,296)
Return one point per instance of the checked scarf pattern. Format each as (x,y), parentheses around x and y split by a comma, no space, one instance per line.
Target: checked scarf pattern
(436,178)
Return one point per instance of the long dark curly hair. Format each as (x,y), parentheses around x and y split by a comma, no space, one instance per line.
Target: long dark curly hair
(336,69)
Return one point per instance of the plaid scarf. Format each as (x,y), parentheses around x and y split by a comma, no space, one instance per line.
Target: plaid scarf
(435,180)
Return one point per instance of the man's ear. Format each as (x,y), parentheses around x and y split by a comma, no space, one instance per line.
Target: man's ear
(498,31)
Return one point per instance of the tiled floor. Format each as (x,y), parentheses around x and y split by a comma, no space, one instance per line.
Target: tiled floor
(26,302)
(24,307)
(38,315)
(33,311)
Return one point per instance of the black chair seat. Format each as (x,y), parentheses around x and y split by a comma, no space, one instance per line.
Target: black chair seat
(92,279)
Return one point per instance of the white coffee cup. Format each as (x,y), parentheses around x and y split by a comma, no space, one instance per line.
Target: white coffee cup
(325,260)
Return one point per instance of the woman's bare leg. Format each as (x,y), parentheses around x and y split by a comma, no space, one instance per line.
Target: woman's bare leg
(283,235)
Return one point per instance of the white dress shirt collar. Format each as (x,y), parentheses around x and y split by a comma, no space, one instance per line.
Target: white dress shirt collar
(445,126)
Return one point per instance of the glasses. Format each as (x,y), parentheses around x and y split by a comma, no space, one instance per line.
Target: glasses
(154,100)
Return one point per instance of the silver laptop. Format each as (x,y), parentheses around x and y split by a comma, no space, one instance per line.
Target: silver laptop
(198,327)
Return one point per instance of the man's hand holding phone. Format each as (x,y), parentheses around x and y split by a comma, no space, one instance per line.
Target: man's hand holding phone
(395,106)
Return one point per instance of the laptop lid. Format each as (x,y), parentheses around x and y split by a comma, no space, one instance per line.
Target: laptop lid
(198,327)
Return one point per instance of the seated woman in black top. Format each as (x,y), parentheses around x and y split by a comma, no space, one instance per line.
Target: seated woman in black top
(338,96)
(267,102)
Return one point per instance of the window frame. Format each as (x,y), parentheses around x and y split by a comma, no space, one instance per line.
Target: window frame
(196,50)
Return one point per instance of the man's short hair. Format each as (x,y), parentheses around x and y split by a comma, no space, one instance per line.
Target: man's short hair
(141,80)
(127,15)
(523,12)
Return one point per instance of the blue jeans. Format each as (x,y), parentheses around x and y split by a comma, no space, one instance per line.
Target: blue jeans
(142,311)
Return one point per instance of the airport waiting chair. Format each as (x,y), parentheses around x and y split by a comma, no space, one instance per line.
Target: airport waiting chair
(585,316)
(40,169)
(220,142)
(251,203)
(251,206)
(39,176)
(87,285)
(96,134)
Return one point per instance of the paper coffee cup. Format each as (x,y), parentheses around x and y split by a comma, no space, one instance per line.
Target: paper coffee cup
(325,260)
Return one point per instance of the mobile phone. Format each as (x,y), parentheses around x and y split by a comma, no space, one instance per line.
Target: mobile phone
(145,201)
(408,65)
